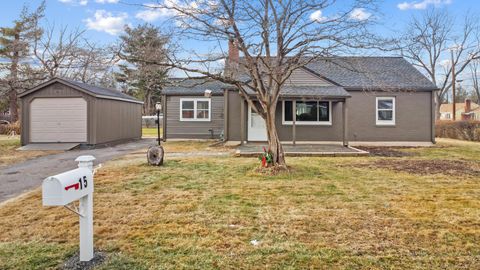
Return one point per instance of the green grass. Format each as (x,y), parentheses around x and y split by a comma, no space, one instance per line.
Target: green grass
(150,132)
(202,213)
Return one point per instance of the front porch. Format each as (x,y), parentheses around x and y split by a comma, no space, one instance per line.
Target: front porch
(311,149)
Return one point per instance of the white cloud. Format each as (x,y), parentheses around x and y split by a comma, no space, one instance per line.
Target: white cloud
(107,1)
(422,4)
(317,16)
(360,14)
(75,2)
(152,12)
(105,21)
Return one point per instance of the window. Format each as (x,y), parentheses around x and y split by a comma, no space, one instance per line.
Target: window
(385,111)
(307,113)
(194,109)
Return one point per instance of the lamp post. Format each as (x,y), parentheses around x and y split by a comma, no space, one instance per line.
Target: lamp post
(158,108)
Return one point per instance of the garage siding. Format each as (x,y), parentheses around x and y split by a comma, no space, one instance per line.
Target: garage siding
(107,120)
(117,120)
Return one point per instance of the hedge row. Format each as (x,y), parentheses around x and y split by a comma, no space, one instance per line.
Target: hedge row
(461,130)
(7,129)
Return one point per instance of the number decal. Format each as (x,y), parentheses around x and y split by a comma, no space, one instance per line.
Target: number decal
(84,183)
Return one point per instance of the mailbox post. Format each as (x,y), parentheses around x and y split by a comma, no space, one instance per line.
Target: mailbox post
(65,188)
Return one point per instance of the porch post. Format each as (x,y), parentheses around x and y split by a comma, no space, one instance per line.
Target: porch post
(345,122)
(294,116)
(242,121)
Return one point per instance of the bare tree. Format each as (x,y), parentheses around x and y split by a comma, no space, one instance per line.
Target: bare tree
(275,38)
(475,76)
(429,41)
(69,54)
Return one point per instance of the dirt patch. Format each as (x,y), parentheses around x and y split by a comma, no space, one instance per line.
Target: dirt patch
(74,263)
(425,167)
(387,151)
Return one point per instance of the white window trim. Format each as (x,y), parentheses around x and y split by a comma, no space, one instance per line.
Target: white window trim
(195,100)
(385,122)
(308,123)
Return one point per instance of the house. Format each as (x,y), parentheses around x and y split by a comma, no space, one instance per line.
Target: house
(464,111)
(66,111)
(338,99)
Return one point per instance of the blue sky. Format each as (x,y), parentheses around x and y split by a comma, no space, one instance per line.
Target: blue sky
(104,19)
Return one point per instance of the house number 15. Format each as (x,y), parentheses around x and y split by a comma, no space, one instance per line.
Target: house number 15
(83,184)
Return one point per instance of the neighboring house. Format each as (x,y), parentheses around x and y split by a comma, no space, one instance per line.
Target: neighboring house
(341,99)
(464,111)
(65,111)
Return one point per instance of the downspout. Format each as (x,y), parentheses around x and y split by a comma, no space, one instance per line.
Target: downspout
(164,120)
(225,114)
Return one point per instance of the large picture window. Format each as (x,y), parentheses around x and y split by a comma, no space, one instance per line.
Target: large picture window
(385,111)
(194,109)
(307,113)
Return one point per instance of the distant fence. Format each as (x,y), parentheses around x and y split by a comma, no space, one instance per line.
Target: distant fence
(5,117)
(149,121)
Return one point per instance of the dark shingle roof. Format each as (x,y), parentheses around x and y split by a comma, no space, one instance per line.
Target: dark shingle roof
(101,91)
(96,91)
(369,73)
(194,87)
(312,91)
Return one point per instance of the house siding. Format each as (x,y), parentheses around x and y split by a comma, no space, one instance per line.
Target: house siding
(305,78)
(177,129)
(413,119)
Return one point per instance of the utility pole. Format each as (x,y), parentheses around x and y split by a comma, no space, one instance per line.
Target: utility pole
(453,87)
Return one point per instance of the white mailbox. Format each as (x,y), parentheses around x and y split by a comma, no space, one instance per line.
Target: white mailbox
(65,188)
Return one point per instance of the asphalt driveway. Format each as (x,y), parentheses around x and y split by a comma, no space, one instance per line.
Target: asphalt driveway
(21,177)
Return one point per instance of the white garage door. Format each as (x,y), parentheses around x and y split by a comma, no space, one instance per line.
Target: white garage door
(58,120)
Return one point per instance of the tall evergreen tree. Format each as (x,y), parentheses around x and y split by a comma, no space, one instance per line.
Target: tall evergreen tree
(141,48)
(14,49)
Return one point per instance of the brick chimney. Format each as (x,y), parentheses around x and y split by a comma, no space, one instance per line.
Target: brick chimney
(468,108)
(468,105)
(231,66)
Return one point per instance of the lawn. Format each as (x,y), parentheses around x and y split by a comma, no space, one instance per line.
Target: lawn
(150,132)
(327,213)
(9,154)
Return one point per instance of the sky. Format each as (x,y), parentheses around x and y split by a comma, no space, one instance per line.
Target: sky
(104,20)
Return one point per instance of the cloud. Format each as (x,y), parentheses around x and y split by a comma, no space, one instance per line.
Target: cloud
(75,2)
(105,21)
(153,12)
(317,16)
(107,1)
(422,4)
(360,14)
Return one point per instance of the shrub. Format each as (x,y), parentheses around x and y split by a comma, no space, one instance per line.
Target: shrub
(461,130)
(8,128)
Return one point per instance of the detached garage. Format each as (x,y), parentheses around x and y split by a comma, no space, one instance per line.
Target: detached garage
(65,111)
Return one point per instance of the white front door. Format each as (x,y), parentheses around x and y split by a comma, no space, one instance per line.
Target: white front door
(257,130)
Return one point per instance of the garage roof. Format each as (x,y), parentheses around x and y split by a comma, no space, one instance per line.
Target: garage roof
(96,91)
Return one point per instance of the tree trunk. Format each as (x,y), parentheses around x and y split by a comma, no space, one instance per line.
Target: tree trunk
(274,144)
(13,83)
(13,105)
(438,102)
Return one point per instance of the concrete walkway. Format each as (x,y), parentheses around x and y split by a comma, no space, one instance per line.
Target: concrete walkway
(21,177)
(301,150)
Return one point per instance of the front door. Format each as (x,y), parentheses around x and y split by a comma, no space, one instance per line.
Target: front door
(257,130)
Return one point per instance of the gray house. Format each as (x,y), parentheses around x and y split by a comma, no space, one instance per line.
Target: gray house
(65,111)
(340,99)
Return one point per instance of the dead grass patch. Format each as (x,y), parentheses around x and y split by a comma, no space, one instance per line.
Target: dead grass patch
(387,151)
(9,153)
(428,167)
